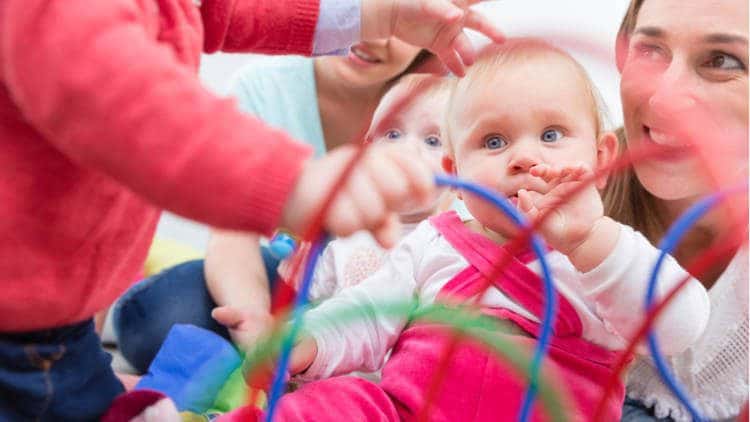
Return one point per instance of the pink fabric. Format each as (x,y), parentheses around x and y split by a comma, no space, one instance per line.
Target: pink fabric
(103,121)
(131,404)
(478,385)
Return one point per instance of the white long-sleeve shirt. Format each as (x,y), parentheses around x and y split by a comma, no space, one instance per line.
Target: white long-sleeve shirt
(713,370)
(355,328)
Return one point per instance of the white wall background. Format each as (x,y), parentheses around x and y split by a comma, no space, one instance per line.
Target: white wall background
(587,28)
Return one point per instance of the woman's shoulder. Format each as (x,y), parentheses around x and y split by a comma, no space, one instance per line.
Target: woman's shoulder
(269,68)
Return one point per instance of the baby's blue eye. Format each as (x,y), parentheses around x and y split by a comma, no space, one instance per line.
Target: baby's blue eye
(433,141)
(393,134)
(495,142)
(551,135)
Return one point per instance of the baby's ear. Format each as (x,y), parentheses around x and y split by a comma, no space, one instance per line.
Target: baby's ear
(606,154)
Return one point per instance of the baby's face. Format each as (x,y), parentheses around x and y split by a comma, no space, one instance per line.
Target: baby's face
(418,128)
(505,123)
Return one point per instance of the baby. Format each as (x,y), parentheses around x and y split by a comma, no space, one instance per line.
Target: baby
(410,114)
(524,122)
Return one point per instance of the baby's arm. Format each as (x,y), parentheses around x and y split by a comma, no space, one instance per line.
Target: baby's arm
(354,329)
(237,281)
(618,286)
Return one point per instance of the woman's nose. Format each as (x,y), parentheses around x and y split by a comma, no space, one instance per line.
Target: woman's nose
(673,93)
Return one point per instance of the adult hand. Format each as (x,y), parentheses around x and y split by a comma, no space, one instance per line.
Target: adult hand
(437,25)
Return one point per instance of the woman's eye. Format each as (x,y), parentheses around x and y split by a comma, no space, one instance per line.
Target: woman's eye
(433,141)
(725,62)
(495,142)
(551,135)
(392,134)
(649,51)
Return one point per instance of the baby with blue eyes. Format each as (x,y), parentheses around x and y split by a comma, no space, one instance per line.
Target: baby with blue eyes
(524,122)
(410,114)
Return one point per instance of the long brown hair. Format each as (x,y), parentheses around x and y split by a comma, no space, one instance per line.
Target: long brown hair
(625,198)
(627,201)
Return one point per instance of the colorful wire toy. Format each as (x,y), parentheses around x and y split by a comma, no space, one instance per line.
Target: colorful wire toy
(548,317)
(671,239)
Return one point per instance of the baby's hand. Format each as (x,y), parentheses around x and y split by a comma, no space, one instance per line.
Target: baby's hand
(572,218)
(577,226)
(383,181)
(437,25)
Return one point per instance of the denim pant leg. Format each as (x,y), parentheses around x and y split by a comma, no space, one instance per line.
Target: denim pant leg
(143,316)
(635,411)
(61,374)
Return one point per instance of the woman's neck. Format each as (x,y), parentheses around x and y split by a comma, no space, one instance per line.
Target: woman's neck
(345,111)
(713,227)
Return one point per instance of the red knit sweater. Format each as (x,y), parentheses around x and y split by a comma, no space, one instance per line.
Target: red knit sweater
(103,122)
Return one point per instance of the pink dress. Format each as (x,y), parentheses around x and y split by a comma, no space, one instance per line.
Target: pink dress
(478,385)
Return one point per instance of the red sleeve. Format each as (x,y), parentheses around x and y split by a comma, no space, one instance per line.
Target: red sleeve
(90,76)
(262,26)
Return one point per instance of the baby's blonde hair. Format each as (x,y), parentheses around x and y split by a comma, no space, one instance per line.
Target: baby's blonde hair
(409,89)
(493,58)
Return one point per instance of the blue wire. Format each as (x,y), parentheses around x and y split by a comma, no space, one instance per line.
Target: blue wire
(667,245)
(550,308)
(300,303)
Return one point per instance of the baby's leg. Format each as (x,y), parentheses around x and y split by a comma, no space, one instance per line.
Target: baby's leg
(335,399)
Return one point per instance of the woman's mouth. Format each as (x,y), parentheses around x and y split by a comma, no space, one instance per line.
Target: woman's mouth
(360,55)
(671,148)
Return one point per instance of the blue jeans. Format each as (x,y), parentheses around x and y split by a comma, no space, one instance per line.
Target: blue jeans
(143,316)
(59,374)
(635,411)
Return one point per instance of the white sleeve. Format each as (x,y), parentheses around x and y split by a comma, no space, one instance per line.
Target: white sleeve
(618,288)
(356,327)
(324,279)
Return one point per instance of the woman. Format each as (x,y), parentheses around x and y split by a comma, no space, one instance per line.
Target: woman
(324,101)
(685,82)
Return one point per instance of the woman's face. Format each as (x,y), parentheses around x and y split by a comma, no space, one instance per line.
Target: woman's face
(374,62)
(684,86)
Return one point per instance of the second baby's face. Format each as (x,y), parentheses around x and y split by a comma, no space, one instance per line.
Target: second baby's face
(418,127)
(535,111)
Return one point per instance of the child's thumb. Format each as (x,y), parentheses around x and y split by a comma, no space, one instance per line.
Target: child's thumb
(227,316)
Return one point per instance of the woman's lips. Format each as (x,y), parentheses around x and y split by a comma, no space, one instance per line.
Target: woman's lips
(362,56)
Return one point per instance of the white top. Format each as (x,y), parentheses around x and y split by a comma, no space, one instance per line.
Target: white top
(347,261)
(713,370)
(418,268)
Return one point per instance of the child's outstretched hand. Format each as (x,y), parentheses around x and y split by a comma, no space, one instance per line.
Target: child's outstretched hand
(576,226)
(245,327)
(383,181)
(437,25)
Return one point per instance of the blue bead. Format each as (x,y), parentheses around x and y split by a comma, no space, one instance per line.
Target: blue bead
(281,246)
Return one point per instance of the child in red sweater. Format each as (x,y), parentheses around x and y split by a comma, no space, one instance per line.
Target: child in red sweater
(103,122)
